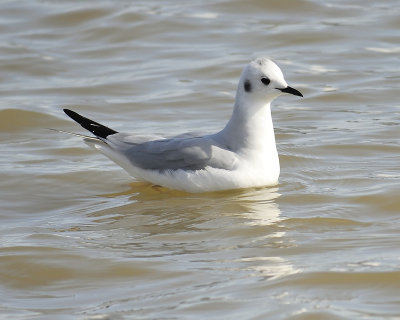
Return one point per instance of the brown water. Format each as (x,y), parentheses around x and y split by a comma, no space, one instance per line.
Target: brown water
(81,240)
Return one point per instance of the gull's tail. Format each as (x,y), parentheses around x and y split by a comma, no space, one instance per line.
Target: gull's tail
(99,142)
(94,127)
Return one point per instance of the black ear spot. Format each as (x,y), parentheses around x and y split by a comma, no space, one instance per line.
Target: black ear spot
(247,86)
(266,81)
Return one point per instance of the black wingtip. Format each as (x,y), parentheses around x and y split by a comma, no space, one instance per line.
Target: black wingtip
(94,127)
(69,112)
(72,114)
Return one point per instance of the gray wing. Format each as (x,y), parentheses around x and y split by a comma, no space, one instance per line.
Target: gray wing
(187,153)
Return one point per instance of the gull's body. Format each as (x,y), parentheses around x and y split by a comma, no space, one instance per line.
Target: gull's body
(241,155)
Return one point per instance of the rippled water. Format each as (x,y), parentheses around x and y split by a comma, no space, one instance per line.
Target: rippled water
(81,240)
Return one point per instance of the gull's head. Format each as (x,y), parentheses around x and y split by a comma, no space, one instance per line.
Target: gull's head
(262,80)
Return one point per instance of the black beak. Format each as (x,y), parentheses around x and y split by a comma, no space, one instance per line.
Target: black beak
(291,91)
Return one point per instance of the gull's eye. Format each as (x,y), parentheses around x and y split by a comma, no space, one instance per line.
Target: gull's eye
(266,81)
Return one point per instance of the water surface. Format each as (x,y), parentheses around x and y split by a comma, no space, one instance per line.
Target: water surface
(80,239)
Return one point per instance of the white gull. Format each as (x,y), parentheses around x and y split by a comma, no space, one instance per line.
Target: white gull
(241,155)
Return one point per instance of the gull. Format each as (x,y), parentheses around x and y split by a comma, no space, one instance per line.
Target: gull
(242,155)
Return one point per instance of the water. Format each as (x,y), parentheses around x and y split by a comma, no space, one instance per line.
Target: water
(81,240)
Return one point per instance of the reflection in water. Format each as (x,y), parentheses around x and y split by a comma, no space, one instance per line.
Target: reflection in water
(252,206)
(220,228)
(260,206)
(270,267)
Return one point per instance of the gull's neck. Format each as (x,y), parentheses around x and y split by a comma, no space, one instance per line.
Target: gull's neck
(250,127)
